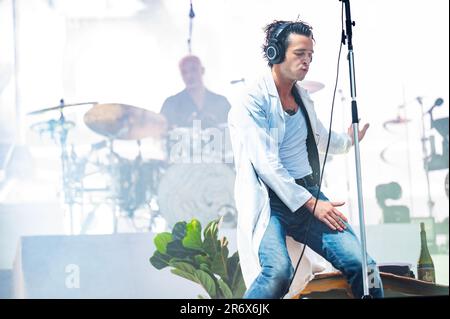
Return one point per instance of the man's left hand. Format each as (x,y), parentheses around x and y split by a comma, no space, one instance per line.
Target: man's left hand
(361,133)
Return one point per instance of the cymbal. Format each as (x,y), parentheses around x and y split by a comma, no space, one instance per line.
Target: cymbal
(125,122)
(312,86)
(59,107)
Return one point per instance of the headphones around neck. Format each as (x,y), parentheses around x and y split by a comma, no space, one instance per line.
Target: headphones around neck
(275,49)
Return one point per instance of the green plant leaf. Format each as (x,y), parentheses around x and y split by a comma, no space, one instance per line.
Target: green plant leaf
(161,240)
(188,260)
(176,249)
(210,244)
(211,247)
(186,275)
(235,278)
(193,237)
(225,290)
(206,268)
(183,266)
(159,261)
(219,263)
(207,282)
(179,231)
(212,228)
(202,259)
(233,265)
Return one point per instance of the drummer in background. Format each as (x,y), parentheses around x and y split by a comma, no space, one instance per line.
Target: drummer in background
(195,102)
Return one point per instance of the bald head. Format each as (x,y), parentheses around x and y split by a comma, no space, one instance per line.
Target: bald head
(192,70)
(189,59)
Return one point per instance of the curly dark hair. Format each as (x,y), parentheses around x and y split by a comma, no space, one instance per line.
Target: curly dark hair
(297,27)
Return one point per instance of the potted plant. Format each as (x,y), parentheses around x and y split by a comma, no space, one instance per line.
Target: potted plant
(204,260)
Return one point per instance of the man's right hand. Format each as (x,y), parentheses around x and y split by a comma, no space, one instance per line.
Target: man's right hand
(327,213)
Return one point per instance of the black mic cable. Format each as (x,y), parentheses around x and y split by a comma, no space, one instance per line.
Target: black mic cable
(324,161)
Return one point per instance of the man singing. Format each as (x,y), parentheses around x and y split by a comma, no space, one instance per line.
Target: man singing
(276,136)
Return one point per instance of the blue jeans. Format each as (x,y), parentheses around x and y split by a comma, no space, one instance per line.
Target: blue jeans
(341,249)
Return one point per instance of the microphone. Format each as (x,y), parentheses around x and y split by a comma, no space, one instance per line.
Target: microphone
(439,101)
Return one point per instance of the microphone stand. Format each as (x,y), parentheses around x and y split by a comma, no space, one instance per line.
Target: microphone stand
(347,169)
(355,123)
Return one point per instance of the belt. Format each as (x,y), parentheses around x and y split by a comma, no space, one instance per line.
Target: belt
(306,181)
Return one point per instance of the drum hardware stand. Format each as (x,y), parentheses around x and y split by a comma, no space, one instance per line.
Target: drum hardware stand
(66,178)
(152,203)
(355,123)
(114,172)
(88,220)
(72,186)
(137,162)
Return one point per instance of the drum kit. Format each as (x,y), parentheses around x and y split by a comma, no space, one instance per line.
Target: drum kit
(140,169)
(133,170)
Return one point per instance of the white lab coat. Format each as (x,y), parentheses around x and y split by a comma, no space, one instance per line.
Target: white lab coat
(257,127)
